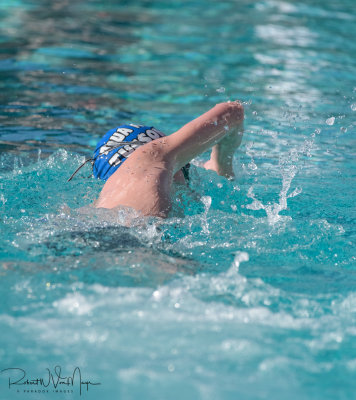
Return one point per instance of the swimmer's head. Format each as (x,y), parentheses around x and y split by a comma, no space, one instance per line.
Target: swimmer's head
(118,144)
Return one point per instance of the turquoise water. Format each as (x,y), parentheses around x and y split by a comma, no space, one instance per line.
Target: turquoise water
(251,295)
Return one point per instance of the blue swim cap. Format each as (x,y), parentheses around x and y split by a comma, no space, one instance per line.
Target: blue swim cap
(117,144)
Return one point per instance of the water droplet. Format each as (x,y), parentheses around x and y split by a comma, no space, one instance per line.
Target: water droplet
(353,106)
(156,295)
(330,121)
(252,165)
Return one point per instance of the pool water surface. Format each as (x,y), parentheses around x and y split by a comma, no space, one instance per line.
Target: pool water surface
(251,294)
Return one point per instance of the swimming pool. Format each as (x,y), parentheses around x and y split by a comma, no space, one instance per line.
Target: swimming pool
(252,294)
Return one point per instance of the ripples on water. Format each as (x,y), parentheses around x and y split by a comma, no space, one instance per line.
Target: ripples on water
(252,293)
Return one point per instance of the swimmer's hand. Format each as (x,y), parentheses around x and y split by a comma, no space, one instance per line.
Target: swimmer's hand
(222,153)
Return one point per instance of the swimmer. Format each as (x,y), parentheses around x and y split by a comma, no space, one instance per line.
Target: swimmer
(140,163)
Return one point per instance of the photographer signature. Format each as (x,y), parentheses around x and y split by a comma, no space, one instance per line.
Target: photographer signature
(56,379)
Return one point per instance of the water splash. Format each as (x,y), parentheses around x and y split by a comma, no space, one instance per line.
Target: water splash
(289,167)
(273,209)
(206,200)
(240,256)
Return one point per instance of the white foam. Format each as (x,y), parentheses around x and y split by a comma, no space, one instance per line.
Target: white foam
(74,304)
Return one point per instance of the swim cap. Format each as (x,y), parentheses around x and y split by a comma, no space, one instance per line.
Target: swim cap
(117,145)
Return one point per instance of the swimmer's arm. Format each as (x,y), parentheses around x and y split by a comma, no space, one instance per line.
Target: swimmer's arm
(202,133)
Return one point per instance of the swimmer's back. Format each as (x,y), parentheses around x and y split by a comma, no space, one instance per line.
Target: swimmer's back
(143,182)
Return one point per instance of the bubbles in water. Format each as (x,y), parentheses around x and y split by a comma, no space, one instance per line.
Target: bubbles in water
(330,121)
(221,90)
(353,106)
